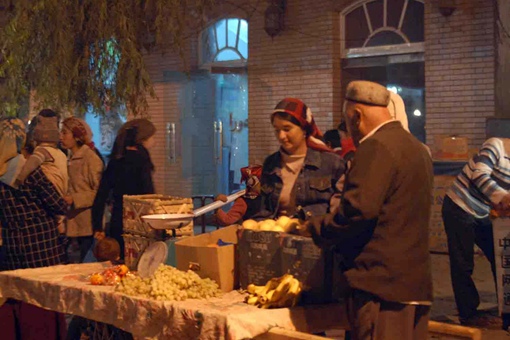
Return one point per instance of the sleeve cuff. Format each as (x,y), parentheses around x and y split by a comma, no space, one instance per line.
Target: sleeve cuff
(498,195)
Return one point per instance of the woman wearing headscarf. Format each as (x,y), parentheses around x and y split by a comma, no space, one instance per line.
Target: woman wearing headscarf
(303,174)
(29,232)
(85,169)
(129,172)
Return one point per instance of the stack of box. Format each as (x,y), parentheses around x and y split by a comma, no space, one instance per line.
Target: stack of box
(451,148)
(138,235)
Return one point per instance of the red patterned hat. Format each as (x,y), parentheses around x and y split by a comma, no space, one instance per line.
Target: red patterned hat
(299,110)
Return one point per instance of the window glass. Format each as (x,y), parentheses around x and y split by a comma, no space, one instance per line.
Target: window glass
(413,26)
(356,28)
(225,40)
(385,38)
(232,32)
(221,36)
(361,25)
(394,12)
(375,9)
(226,55)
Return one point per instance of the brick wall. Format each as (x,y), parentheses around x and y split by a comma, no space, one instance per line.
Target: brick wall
(299,62)
(304,61)
(459,70)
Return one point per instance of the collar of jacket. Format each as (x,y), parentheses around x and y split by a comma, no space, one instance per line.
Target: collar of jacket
(312,159)
(391,124)
(80,152)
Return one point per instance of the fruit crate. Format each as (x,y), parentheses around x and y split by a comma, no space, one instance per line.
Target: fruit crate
(134,246)
(139,205)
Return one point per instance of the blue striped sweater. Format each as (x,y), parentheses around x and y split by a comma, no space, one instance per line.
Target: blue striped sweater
(484,180)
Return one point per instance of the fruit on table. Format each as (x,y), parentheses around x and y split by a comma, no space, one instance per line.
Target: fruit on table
(110,276)
(169,284)
(279,292)
(251,224)
(283,224)
(96,279)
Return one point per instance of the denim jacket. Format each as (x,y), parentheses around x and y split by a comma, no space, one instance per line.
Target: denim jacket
(314,187)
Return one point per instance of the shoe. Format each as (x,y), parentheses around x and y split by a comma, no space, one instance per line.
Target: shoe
(482,321)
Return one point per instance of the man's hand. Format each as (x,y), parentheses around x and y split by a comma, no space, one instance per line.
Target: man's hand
(311,227)
(505,202)
(304,229)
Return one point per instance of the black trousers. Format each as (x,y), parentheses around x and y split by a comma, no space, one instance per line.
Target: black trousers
(464,231)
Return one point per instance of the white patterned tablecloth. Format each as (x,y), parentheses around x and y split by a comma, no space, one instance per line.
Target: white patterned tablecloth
(65,289)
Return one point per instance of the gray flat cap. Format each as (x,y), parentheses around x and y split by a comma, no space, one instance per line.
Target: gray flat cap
(368,93)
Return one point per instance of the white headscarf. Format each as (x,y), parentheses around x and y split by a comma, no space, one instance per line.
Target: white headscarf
(398,110)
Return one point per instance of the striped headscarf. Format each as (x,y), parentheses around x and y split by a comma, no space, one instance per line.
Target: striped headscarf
(299,110)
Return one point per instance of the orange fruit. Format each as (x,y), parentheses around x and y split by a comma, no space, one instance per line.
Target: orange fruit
(123,269)
(96,279)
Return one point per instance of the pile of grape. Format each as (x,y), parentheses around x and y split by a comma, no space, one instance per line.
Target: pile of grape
(171,284)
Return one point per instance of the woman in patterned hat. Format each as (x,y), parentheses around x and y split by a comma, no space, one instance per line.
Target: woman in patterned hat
(85,168)
(29,232)
(302,176)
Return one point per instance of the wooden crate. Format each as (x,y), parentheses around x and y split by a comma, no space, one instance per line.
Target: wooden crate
(139,205)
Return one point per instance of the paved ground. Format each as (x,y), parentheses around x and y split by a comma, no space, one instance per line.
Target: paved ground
(444,309)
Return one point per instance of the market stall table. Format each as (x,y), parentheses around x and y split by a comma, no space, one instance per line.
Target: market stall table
(66,289)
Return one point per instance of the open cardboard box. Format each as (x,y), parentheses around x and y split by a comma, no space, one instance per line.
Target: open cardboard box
(200,254)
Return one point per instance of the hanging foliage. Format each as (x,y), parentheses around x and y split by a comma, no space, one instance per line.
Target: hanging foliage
(82,54)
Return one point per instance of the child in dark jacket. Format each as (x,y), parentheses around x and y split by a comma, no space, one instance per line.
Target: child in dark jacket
(248,205)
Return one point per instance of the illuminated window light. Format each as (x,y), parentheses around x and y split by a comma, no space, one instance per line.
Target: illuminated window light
(392,89)
(417,113)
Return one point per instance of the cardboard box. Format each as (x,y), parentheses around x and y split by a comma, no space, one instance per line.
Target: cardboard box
(199,254)
(309,264)
(501,229)
(451,148)
(267,254)
(259,256)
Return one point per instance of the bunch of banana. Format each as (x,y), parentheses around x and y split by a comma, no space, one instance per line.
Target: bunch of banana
(278,292)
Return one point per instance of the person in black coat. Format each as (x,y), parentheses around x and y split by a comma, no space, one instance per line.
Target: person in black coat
(129,172)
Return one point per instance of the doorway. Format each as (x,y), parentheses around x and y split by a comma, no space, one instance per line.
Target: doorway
(214,116)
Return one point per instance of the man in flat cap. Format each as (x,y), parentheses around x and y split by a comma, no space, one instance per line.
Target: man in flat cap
(380,230)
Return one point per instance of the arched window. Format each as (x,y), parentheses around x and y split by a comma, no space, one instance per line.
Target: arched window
(225,41)
(375,27)
(383,41)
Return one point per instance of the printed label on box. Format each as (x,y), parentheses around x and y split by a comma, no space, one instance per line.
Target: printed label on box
(501,228)
(259,256)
